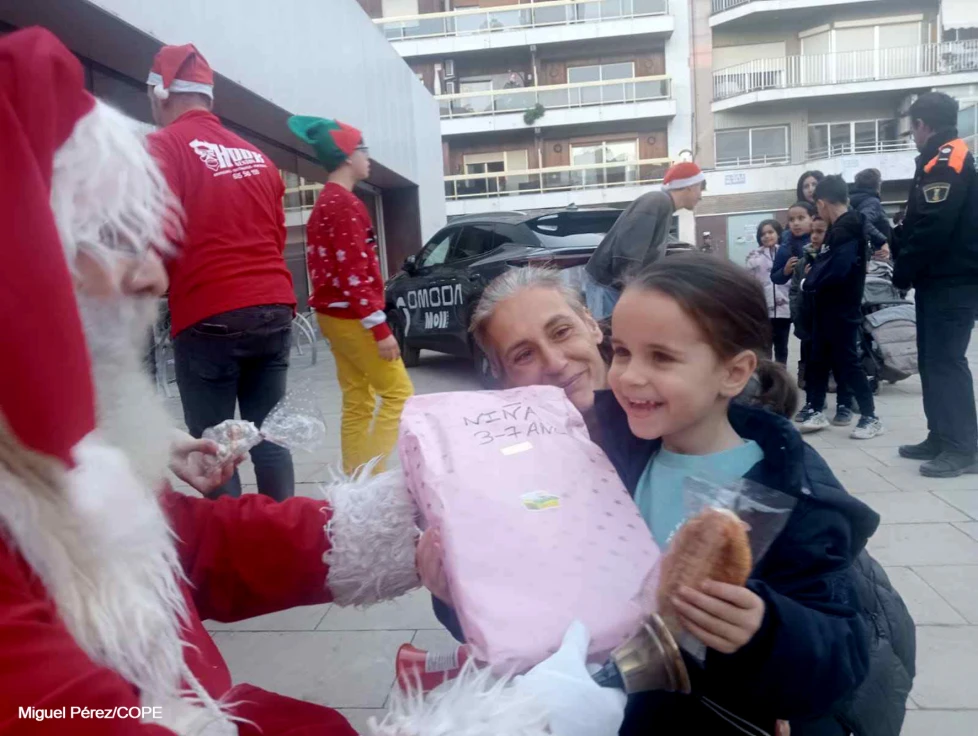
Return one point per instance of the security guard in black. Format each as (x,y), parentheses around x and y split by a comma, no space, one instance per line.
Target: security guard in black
(936,252)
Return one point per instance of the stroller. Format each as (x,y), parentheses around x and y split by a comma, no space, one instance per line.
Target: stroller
(888,334)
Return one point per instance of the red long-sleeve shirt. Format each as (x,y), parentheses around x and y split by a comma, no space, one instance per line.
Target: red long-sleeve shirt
(343,263)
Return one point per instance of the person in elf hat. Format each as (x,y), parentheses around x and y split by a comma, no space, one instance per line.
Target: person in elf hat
(348,295)
(231,295)
(105,572)
(639,236)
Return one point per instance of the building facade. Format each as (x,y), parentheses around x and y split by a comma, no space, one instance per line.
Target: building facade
(786,86)
(546,104)
(268,66)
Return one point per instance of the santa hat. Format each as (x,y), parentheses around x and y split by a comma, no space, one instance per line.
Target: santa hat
(73,168)
(180,69)
(333,141)
(682,175)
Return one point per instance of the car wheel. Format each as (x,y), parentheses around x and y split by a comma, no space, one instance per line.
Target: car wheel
(411,356)
(483,368)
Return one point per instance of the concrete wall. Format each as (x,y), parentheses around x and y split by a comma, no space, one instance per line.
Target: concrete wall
(316,59)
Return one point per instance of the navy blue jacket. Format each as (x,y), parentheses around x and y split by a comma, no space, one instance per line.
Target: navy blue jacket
(812,648)
(876,225)
(790,246)
(838,275)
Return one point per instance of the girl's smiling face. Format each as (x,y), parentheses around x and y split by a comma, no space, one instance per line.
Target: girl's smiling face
(769,237)
(799,221)
(667,377)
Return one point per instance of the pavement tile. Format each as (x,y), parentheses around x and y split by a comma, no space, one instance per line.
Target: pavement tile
(434,640)
(966,501)
(848,457)
(300,618)
(922,544)
(947,668)
(411,611)
(862,480)
(907,477)
(926,606)
(956,584)
(911,507)
(969,527)
(940,723)
(342,669)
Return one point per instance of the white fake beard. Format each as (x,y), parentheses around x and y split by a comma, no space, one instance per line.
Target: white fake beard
(131,415)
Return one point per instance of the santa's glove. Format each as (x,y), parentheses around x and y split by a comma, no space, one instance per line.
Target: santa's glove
(576,705)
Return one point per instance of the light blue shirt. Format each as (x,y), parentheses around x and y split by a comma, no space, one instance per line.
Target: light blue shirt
(659,494)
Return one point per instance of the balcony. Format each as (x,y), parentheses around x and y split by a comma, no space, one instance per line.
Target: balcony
(564,104)
(860,148)
(729,11)
(850,72)
(472,29)
(554,186)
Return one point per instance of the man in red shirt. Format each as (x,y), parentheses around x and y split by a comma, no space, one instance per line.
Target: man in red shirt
(348,295)
(231,295)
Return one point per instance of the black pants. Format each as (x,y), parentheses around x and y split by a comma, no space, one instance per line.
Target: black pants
(835,349)
(239,357)
(843,397)
(945,319)
(780,332)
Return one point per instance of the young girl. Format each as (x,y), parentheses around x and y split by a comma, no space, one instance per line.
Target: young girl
(796,238)
(687,336)
(759,263)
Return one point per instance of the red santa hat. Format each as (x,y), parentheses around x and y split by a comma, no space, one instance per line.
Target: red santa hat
(74,171)
(682,175)
(180,69)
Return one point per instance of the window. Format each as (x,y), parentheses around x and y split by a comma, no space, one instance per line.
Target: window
(861,52)
(473,241)
(436,252)
(599,73)
(752,146)
(859,136)
(968,123)
(606,152)
(493,163)
(398,8)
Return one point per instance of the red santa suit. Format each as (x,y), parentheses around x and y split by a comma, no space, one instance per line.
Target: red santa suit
(103,579)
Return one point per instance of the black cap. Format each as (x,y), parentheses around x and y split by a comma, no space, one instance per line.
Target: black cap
(936,109)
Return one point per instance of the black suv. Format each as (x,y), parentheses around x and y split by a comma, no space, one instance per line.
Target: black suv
(430,302)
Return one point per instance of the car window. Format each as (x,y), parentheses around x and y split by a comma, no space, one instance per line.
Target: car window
(436,252)
(506,234)
(474,240)
(569,230)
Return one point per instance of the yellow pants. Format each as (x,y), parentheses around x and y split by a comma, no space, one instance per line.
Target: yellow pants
(363,375)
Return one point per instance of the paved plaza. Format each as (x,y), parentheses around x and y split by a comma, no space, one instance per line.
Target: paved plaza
(928,543)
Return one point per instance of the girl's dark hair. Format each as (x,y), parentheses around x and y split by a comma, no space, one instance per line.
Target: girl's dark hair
(778,228)
(729,307)
(800,189)
(804,204)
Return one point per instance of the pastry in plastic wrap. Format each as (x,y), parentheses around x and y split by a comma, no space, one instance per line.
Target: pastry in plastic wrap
(537,529)
(234,438)
(713,545)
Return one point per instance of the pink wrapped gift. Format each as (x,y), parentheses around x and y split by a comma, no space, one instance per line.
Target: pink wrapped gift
(536,526)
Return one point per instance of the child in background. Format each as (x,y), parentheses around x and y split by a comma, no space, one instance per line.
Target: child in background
(802,316)
(760,262)
(688,334)
(864,197)
(835,282)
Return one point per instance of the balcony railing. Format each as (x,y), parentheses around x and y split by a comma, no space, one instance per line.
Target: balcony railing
(581,94)
(860,147)
(758,159)
(472,21)
(845,67)
(556,179)
(720,5)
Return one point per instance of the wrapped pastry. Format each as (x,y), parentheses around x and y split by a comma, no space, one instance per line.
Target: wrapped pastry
(234,437)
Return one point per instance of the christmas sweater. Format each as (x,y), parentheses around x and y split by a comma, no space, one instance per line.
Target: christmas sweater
(343,264)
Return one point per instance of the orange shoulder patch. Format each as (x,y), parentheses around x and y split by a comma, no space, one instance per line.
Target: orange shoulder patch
(953,153)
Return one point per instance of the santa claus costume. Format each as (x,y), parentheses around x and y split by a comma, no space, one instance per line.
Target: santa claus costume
(104,575)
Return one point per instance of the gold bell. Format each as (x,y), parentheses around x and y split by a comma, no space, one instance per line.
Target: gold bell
(649,660)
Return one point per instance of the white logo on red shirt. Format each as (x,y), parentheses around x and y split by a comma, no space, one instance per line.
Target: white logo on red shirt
(222,160)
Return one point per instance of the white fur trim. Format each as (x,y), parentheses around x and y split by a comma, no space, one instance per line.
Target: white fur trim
(683,183)
(155,81)
(103,549)
(107,193)
(473,704)
(372,536)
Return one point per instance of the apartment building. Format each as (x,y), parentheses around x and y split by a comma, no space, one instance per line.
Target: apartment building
(784,86)
(545,104)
